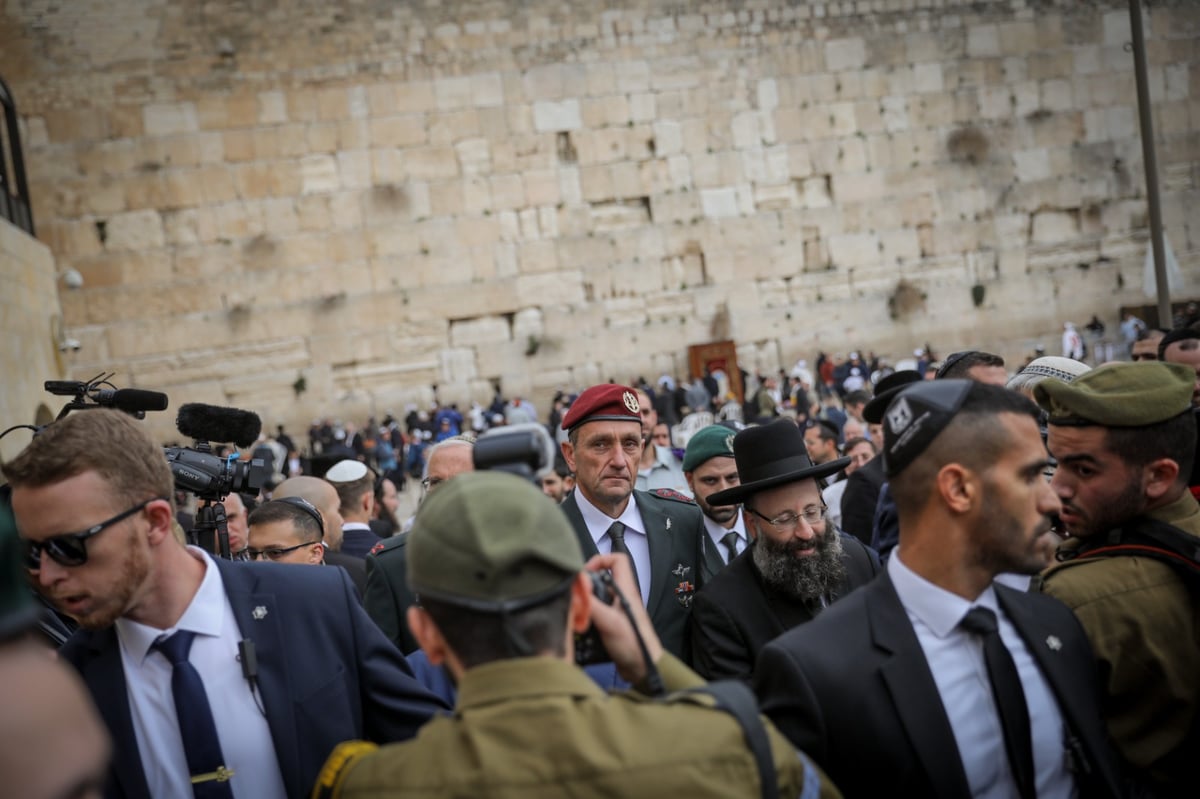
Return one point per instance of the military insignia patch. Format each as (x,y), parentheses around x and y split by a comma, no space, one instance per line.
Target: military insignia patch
(680,570)
(729,443)
(631,402)
(377,548)
(670,493)
(684,592)
(259,613)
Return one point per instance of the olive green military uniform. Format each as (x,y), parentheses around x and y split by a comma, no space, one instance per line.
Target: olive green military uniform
(539,727)
(1141,616)
(1144,626)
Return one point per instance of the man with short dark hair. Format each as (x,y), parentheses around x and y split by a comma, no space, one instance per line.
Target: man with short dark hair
(709,467)
(931,680)
(324,497)
(661,531)
(559,481)
(658,466)
(1183,346)
(287,531)
(167,629)
(1146,346)
(796,565)
(821,441)
(504,591)
(1124,438)
(982,367)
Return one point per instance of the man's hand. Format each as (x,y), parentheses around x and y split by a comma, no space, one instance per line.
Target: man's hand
(613,625)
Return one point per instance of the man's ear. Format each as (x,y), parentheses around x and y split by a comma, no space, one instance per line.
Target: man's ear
(159,513)
(316,553)
(368,503)
(958,487)
(428,636)
(1159,476)
(568,452)
(582,596)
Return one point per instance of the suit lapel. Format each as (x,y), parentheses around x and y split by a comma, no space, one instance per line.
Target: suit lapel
(710,558)
(105,676)
(914,693)
(571,508)
(259,620)
(658,538)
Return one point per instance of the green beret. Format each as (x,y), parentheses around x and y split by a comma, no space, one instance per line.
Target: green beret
(1119,395)
(492,542)
(713,441)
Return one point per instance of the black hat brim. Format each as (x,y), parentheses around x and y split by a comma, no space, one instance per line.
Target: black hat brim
(732,496)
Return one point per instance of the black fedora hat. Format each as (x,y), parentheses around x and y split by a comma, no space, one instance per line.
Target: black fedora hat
(771,455)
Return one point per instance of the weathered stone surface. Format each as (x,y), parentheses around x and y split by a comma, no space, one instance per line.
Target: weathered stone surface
(387,201)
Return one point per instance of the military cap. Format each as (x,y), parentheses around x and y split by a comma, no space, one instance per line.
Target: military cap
(915,417)
(714,441)
(607,402)
(493,542)
(1119,395)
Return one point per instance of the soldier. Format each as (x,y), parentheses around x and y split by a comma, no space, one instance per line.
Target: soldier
(1124,438)
(498,611)
(661,531)
(709,467)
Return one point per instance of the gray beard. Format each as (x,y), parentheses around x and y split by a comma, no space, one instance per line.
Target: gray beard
(805,579)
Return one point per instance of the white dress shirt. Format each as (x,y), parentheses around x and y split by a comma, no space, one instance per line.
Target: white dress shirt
(717,533)
(245,736)
(955,657)
(635,536)
(832,497)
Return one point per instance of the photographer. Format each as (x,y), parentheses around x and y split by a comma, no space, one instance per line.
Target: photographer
(235,678)
(502,587)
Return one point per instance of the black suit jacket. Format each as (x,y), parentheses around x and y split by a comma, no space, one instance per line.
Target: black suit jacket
(387,596)
(736,615)
(852,689)
(675,532)
(860,497)
(326,673)
(353,566)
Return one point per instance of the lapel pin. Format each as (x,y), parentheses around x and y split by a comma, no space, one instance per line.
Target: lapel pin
(680,570)
(668,522)
(1053,642)
(259,613)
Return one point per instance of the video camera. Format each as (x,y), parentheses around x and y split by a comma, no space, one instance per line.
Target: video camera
(526,450)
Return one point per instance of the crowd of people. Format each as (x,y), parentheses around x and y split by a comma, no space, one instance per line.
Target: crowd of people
(945,578)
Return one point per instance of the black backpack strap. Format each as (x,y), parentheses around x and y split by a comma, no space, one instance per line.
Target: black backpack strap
(1150,538)
(735,698)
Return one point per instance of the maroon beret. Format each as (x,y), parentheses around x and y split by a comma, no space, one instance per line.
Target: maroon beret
(607,402)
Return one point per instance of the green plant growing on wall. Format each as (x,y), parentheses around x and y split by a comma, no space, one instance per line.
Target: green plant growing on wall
(300,385)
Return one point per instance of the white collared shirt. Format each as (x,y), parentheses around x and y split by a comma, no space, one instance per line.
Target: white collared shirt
(665,472)
(635,536)
(245,736)
(717,533)
(955,657)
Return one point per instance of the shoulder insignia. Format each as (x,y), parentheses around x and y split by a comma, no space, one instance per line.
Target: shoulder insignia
(337,767)
(388,544)
(670,493)
(377,548)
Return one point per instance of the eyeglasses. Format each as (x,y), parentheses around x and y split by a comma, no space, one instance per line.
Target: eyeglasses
(787,522)
(430,483)
(274,553)
(70,549)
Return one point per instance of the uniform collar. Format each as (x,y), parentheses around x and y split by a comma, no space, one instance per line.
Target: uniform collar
(523,678)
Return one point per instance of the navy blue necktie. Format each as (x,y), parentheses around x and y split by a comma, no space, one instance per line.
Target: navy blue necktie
(210,778)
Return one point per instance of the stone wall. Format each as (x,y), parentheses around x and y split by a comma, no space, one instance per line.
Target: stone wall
(31,329)
(368,198)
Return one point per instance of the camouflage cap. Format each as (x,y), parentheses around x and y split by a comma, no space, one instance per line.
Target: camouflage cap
(493,542)
(713,441)
(1119,395)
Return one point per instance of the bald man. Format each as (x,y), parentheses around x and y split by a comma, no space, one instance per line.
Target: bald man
(324,497)
(52,744)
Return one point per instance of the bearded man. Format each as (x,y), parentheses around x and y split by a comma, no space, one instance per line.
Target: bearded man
(796,565)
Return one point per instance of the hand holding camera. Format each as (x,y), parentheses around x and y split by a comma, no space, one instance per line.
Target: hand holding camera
(615,622)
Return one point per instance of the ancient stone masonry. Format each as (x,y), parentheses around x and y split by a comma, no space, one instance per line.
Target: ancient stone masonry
(377,195)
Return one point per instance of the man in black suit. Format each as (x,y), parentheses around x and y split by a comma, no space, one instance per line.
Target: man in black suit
(324,497)
(797,564)
(661,531)
(933,681)
(208,673)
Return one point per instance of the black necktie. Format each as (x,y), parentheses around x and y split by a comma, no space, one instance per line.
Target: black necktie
(202,747)
(1010,698)
(730,540)
(616,534)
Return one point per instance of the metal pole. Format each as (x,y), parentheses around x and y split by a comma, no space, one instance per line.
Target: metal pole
(1150,161)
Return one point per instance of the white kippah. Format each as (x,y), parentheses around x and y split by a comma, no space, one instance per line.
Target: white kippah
(346,471)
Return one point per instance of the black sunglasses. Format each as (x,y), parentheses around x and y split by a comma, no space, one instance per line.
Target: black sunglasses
(274,553)
(70,549)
